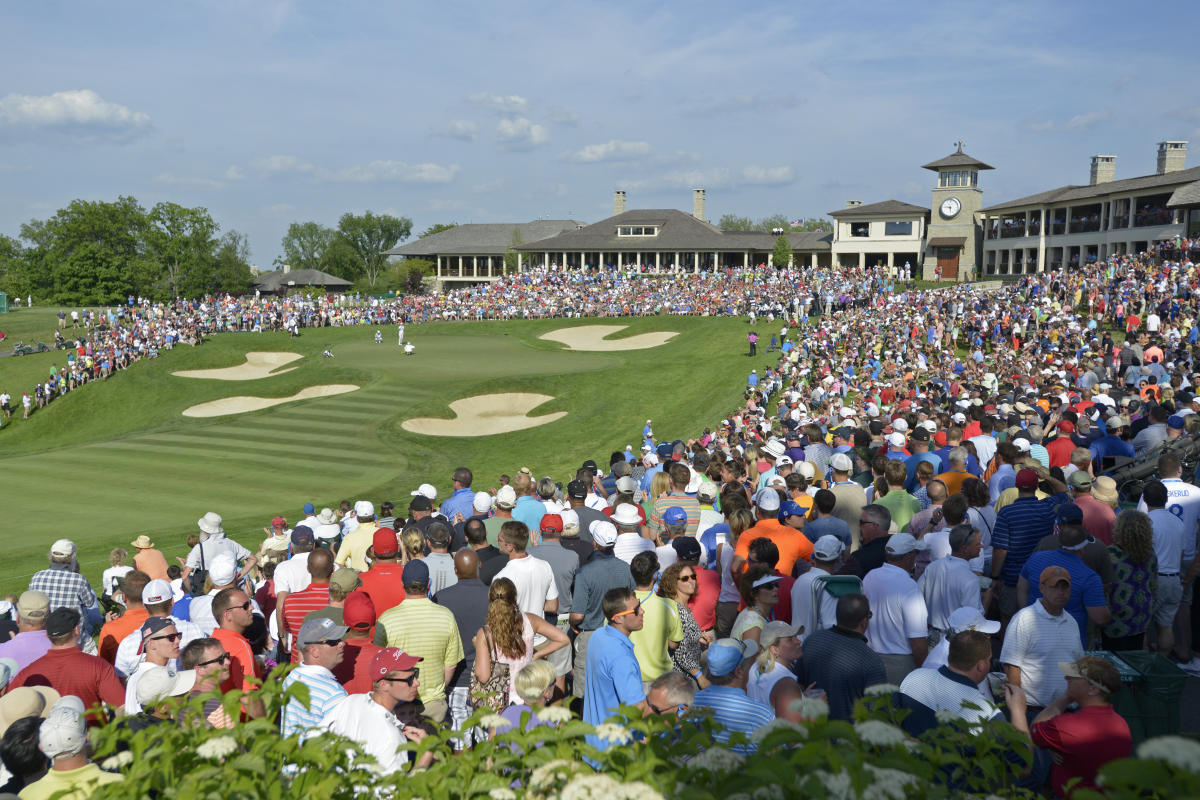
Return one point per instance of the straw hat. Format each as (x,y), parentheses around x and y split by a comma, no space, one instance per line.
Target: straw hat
(142,542)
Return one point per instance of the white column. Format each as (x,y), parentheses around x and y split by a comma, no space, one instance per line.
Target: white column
(474,266)
(696,261)
(745,258)
(460,265)
(439,266)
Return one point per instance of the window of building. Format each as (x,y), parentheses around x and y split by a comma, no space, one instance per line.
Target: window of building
(897,229)
(958,177)
(860,229)
(637,230)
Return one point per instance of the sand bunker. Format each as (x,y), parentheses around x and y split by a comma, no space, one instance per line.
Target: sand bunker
(242,404)
(592,337)
(486,414)
(258,365)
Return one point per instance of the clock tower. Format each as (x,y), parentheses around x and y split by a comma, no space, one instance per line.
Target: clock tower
(953,248)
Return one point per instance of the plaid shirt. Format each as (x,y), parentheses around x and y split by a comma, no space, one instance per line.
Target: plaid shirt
(64,588)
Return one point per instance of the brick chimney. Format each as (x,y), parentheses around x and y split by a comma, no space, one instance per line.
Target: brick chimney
(1171,156)
(698,202)
(618,202)
(1104,168)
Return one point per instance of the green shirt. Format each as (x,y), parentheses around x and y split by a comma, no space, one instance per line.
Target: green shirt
(660,624)
(902,505)
(428,631)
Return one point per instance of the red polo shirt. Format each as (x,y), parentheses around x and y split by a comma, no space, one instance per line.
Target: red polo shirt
(703,604)
(72,671)
(382,582)
(356,663)
(244,672)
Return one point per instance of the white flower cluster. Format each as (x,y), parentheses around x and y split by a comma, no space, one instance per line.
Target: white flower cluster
(779,724)
(946,717)
(548,774)
(890,784)
(602,787)
(1175,750)
(217,748)
(879,733)
(838,785)
(881,690)
(502,793)
(771,791)
(810,707)
(717,759)
(555,714)
(617,734)
(121,759)
(494,721)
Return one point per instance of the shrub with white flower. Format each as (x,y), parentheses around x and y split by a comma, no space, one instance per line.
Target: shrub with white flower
(494,721)
(946,717)
(502,793)
(611,732)
(636,790)
(550,773)
(810,707)
(890,784)
(838,785)
(779,724)
(1175,750)
(591,787)
(881,690)
(717,759)
(217,748)
(879,733)
(771,791)
(114,763)
(555,714)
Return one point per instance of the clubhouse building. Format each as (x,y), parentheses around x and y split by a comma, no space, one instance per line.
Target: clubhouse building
(956,238)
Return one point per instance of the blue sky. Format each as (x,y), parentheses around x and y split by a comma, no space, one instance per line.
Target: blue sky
(272,112)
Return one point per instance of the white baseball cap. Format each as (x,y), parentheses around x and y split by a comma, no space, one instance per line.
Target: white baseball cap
(426,490)
(969,619)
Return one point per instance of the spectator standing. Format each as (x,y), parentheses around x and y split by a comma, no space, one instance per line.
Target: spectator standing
(1087,600)
(358,615)
(321,647)
(662,628)
(873,523)
(613,677)
(1131,598)
(66,588)
(839,660)
(948,583)
(383,580)
(148,559)
(1168,540)
(30,642)
(727,665)
(900,626)
(1019,527)
(62,738)
(827,556)
(601,574)
(467,599)
(509,634)
(1038,637)
(439,560)
(313,598)
(353,550)
(564,564)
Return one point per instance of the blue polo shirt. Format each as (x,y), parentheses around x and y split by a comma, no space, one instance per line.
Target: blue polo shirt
(1086,587)
(1019,527)
(735,712)
(462,501)
(530,511)
(910,480)
(612,679)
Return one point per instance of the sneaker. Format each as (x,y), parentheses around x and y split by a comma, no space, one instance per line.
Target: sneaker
(1191,667)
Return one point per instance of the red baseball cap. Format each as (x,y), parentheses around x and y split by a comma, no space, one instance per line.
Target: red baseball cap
(279,522)
(551,523)
(383,542)
(359,611)
(389,659)
(939,438)
(1066,426)
(1027,479)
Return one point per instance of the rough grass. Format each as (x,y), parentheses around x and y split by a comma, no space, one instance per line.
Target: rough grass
(115,459)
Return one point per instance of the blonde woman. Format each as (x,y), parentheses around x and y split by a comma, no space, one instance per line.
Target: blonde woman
(412,544)
(117,570)
(771,678)
(534,686)
(508,636)
(760,592)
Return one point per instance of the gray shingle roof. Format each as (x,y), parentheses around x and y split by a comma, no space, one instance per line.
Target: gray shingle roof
(884,207)
(1073,193)
(1185,195)
(676,231)
(959,159)
(483,239)
(274,281)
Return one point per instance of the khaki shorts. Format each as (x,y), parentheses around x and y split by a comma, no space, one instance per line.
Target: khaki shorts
(1167,599)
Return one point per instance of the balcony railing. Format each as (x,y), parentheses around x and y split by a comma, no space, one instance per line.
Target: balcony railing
(1085,225)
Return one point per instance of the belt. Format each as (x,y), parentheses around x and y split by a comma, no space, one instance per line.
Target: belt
(1168,574)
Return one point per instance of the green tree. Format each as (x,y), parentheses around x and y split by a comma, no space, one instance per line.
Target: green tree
(341,259)
(183,241)
(414,280)
(814,224)
(732,222)
(369,235)
(13,272)
(305,243)
(512,258)
(438,228)
(782,255)
(231,264)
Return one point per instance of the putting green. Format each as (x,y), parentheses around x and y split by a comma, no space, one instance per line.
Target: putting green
(117,458)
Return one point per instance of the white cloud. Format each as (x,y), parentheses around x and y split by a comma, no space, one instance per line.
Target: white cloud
(612,150)
(234,173)
(504,103)
(185,182)
(767,176)
(521,134)
(397,172)
(283,165)
(79,112)
(462,129)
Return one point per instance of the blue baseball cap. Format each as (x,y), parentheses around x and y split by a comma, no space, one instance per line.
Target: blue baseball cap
(415,571)
(790,508)
(675,515)
(309,508)
(1175,422)
(726,655)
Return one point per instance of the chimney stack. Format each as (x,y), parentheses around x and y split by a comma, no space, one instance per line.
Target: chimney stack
(618,202)
(853,203)
(1104,168)
(287,268)
(1171,156)
(698,204)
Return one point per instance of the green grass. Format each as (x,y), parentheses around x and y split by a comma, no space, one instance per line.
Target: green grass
(116,458)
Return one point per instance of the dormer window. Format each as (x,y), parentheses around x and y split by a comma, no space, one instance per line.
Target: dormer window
(637,230)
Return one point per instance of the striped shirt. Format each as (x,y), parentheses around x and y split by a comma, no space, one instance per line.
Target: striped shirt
(428,631)
(687,502)
(1019,527)
(1036,642)
(734,711)
(297,605)
(324,694)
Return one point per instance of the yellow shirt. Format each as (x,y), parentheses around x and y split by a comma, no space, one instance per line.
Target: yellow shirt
(76,784)
(423,629)
(353,552)
(661,624)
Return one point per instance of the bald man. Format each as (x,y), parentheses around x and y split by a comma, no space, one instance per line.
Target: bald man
(468,600)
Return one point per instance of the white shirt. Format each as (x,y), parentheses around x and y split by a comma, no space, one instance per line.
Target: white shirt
(667,556)
(127,657)
(535,584)
(947,585)
(1183,500)
(1036,641)
(292,576)
(132,706)
(899,610)
(372,726)
(759,686)
(630,544)
(1168,540)
(985,448)
(215,545)
(937,692)
(802,604)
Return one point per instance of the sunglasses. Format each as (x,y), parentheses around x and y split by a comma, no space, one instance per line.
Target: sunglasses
(245,606)
(329,642)
(687,578)
(409,680)
(679,709)
(221,659)
(637,611)
(170,637)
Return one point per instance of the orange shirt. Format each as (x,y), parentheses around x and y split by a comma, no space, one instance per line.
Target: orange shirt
(151,562)
(115,630)
(243,668)
(383,584)
(792,543)
(953,480)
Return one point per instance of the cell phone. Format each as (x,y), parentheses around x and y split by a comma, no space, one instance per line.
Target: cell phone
(111,606)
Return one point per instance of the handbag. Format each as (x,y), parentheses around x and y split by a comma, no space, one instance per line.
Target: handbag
(198,576)
(491,694)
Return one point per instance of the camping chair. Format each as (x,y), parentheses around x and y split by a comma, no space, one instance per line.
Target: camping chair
(833,585)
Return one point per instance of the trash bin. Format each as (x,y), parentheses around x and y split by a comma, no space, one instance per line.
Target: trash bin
(1152,705)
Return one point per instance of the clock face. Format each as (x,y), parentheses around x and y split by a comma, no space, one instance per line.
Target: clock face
(950,207)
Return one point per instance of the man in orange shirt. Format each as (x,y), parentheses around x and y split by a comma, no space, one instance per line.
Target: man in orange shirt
(148,560)
(115,630)
(383,580)
(954,477)
(792,544)
(231,609)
